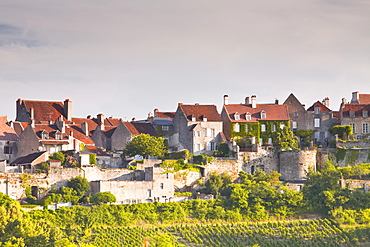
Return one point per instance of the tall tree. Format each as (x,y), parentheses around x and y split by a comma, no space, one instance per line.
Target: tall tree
(146,145)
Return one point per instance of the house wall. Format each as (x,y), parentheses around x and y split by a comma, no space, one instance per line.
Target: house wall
(326,121)
(358,121)
(9,157)
(28,142)
(99,138)
(119,138)
(296,112)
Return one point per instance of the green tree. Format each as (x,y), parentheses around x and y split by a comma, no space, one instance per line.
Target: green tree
(103,197)
(286,139)
(58,156)
(146,145)
(79,184)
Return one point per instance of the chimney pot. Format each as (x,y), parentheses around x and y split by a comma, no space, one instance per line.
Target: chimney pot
(226,99)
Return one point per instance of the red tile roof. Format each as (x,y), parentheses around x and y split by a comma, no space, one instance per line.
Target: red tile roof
(131,128)
(318,104)
(140,128)
(6,132)
(364,98)
(200,111)
(45,110)
(356,108)
(97,151)
(170,115)
(273,112)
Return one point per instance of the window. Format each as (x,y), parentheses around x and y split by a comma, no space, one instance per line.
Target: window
(237,116)
(167,176)
(58,136)
(8,150)
(263,115)
(353,127)
(162,186)
(295,114)
(351,114)
(213,146)
(263,127)
(198,147)
(213,132)
(196,133)
(274,127)
(295,125)
(270,141)
(365,113)
(317,110)
(282,125)
(365,128)
(208,132)
(246,128)
(236,127)
(317,123)
(149,193)
(317,136)
(165,127)
(248,117)
(45,135)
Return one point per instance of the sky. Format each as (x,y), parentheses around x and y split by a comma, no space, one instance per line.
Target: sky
(125,58)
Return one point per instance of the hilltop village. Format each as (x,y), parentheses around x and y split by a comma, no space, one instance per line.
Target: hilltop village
(288,138)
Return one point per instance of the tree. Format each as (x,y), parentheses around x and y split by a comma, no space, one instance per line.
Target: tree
(287,140)
(103,197)
(146,145)
(79,184)
(58,156)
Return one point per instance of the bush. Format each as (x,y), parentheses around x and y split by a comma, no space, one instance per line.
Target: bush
(103,197)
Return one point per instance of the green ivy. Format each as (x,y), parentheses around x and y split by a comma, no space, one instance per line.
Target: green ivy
(340,154)
(352,157)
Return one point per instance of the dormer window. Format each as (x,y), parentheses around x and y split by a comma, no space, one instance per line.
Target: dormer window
(237,116)
(44,135)
(58,136)
(204,119)
(248,116)
(351,114)
(263,115)
(193,118)
(317,110)
(365,113)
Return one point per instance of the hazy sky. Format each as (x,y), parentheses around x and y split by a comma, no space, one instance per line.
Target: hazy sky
(125,58)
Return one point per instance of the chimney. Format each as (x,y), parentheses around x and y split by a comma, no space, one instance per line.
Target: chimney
(100,118)
(355,98)
(254,99)
(276,101)
(32,113)
(61,125)
(155,112)
(18,104)
(180,104)
(344,101)
(226,99)
(150,115)
(85,128)
(68,109)
(88,116)
(247,100)
(325,102)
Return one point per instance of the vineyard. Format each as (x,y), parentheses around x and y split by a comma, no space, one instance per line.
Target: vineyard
(321,232)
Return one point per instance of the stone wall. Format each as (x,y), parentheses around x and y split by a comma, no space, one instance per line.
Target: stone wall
(186,180)
(231,167)
(295,165)
(265,160)
(352,144)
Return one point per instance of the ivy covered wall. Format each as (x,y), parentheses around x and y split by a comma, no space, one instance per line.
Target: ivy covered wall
(254,129)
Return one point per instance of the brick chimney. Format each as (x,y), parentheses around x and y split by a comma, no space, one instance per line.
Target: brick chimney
(247,101)
(325,102)
(68,109)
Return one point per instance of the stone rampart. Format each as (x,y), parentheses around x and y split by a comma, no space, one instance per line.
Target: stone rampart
(294,165)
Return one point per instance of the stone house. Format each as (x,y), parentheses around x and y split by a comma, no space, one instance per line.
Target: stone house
(163,124)
(8,141)
(28,162)
(155,185)
(297,113)
(356,114)
(320,118)
(261,121)
(197,128)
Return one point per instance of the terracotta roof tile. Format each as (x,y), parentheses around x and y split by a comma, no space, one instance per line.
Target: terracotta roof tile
(170,115)
(364,98)
(318,104)
(97,151)
(200,111)
(273,112)
(356,108)
(45,110)
(131,128)
(6,132)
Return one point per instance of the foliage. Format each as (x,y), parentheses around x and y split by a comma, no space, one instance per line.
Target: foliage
(218,184)
(222,150)
(44,167)
(58,156)
(305,134)
(187,194)
(178,165)
(184,154)
(132,167)
(343,131)
(103,197)
(146,145)
(286,140)
(92,159)
(79,184)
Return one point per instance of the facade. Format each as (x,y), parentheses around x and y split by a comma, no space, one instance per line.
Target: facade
(297,113)
(356,114)
(197,128)
(261,121)
(320,118)
(8,141)
(163,124)
(155,186)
